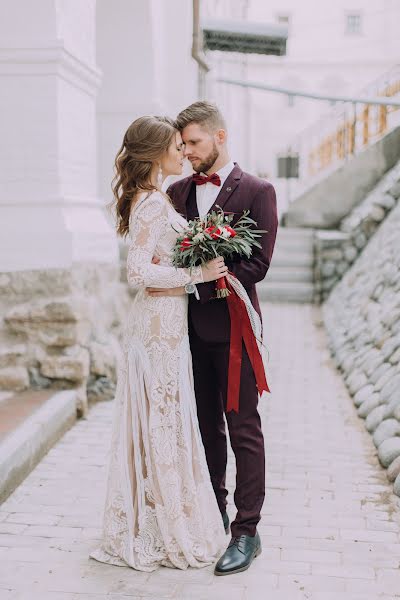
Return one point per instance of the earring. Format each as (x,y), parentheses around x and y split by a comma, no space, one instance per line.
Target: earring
(160,177)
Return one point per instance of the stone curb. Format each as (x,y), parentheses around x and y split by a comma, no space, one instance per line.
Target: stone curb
(21,451)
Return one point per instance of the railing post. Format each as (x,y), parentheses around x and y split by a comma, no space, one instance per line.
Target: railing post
(365,120)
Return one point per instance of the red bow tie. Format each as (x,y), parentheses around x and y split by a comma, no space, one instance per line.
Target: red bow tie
(201,180)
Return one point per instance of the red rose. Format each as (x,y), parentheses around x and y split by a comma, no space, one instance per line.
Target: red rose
(213,232)
(231,231)
(185,244)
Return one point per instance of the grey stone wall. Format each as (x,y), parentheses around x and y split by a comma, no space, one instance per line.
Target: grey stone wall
(336,250)
(60,329)
(362,317)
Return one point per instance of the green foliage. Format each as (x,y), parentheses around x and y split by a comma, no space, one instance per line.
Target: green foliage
(212,236)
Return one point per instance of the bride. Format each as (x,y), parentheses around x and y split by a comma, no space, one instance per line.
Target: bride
(160,505)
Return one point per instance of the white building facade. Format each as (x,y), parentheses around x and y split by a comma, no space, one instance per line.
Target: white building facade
(333,48)
(73,75)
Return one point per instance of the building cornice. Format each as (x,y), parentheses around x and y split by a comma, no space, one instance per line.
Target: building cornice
(52,60)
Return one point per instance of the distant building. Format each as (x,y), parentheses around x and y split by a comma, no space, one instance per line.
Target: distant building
(333,48)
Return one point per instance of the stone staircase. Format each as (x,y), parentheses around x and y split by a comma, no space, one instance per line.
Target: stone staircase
(290,277)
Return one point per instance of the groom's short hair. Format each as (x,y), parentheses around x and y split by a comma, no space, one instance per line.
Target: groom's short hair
(204,113)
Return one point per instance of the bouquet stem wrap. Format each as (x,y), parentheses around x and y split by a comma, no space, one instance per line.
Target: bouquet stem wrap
(245,328)
(222,288)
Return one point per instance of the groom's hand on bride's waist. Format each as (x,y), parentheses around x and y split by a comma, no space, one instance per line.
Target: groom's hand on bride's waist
(159,292)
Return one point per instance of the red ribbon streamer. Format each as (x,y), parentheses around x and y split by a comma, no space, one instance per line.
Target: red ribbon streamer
(241,331)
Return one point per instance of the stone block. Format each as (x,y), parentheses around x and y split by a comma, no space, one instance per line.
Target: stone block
(389,428)
(328,268)
(62,335)
(391,405)
(389,347)
(377,213)
(375,417)
(341,267)
(100,389)
(356,381)
(102,360)
(391,317)
(350,253)
(360,240)
(44,311)
(368,406)
(394,359)
(387,201)
(396,487)
(333,254)
(390,387)
(394,469)
(14,378)
(376,371)
(394,191)
(11,355)
(389,450)
(363,394)
(371,357)
(57,323)
(72,367)
(347,363)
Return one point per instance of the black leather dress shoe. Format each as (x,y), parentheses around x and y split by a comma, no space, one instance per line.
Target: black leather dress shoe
(239,555)
(225,520)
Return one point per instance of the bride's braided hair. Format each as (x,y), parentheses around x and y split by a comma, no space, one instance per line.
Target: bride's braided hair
(144,142)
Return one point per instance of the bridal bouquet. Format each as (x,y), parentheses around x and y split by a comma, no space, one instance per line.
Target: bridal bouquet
(212,236)
(205,239)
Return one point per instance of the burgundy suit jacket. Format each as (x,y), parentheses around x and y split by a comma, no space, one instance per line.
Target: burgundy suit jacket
(241,191)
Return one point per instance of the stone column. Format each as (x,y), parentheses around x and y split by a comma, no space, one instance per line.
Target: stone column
(144,52)
(58,253)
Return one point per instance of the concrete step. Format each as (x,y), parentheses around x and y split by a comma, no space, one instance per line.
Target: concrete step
(296,232)
(300,292)
(290,274)
(295,239)
(294,244)
(23,447)
(284,257)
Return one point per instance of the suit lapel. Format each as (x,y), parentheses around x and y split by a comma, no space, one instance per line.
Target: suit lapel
(184,194)
(231,183)
(192,212)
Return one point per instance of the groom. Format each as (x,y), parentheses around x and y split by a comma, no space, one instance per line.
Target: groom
(220,182)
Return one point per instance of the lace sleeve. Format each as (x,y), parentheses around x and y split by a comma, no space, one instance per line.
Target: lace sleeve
(148,224)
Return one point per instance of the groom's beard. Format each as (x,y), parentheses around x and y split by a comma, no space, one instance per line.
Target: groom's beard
(208,162)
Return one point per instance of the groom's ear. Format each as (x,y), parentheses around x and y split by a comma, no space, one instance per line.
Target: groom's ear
(220,136)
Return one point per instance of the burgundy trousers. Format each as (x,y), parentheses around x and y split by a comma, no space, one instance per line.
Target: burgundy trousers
(210,368)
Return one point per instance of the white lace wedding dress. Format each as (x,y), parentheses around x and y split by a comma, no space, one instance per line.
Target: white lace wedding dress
(160,506)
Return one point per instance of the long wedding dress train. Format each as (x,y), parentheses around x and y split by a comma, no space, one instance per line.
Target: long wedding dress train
(160,506)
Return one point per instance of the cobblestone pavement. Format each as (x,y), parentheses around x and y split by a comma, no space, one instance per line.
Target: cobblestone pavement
(330,526)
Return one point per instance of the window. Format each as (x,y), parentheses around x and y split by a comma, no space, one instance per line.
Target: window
(353,24)
(283,19)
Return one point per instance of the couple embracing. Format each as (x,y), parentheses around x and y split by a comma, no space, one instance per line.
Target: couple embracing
(166,495)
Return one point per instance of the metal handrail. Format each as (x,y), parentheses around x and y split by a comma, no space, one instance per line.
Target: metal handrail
(293,93)
(353,123)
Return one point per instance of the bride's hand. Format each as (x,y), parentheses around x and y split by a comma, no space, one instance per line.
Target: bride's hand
(214,269)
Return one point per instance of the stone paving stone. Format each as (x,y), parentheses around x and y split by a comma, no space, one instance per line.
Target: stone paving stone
(33,519)
(330,523)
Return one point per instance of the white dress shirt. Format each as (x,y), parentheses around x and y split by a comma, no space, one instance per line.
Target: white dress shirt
(207,194)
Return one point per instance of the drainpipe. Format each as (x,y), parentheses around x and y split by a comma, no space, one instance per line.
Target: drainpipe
(197,51)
